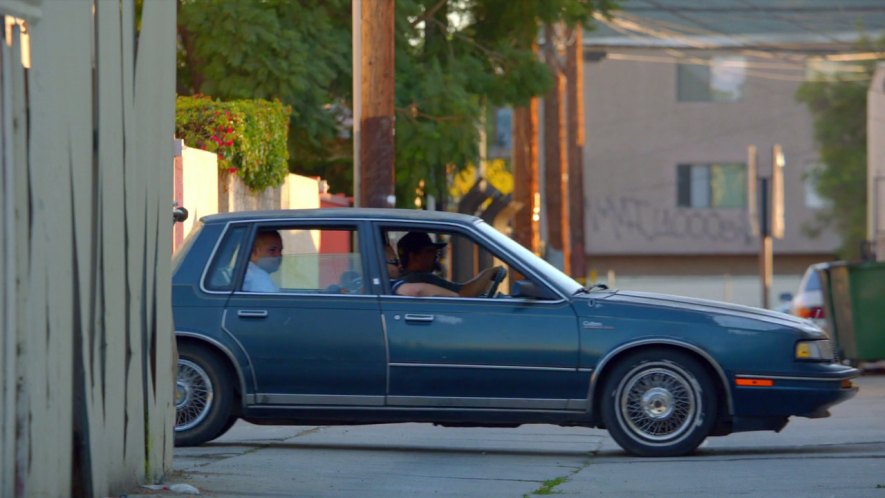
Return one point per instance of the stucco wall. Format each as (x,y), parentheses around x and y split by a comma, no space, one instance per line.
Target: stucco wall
(195,186)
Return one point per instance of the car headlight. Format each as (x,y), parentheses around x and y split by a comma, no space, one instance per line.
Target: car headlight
(816,350)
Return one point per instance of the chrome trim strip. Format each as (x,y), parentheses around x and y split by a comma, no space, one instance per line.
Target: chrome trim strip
(645,342)
(578,404)
(243,349)
(386,354)
(221,347)
(462,402)
(301,294)
(486,367)
(484,300)
(585,370)
(786,377)
(388,221)
(211,259)
(411,409)
(252,313)
(318,399)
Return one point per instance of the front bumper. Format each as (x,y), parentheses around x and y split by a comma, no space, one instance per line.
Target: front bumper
(789,395)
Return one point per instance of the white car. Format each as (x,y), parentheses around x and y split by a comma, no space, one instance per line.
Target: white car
(809,299)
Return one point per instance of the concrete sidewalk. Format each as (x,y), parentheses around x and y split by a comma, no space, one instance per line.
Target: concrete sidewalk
(421,460)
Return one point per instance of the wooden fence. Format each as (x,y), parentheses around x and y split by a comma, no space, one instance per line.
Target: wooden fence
(86,365)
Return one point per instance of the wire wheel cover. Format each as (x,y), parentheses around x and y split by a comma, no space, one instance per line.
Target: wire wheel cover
(658,404)
(193,395)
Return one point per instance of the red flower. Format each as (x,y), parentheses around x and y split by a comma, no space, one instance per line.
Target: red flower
(231,170)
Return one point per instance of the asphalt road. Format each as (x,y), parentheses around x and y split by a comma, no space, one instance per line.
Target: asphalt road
(841,456)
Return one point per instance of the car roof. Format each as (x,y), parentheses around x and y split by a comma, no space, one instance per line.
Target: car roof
(341,213)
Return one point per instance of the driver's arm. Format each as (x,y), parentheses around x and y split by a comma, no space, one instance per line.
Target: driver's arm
(478,284)
(423,290)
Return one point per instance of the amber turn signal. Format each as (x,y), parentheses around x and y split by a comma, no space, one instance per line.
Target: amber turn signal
(753,382)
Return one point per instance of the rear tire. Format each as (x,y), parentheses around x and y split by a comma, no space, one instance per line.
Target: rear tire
(203,396)
(659,403)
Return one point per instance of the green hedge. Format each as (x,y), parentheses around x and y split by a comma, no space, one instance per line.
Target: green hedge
(249,136)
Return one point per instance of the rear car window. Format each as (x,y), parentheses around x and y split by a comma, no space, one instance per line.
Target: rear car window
(220,276)
(813,281)
(313,260)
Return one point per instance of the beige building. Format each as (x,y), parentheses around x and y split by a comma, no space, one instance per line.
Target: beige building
(674,96)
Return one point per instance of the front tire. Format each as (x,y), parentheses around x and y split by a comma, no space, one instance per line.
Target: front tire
(203,396)
(659,403)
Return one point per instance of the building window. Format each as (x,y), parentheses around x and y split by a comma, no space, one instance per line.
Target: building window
(717,79)
(716,185)
(813,200)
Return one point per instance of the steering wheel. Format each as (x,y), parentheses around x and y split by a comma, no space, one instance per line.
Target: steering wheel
(496,282)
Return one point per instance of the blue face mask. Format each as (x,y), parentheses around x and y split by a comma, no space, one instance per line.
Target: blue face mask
(269,264)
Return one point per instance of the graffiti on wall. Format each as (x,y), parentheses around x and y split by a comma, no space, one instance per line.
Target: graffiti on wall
(631,216)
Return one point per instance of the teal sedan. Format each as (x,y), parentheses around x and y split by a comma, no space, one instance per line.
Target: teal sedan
(323,317)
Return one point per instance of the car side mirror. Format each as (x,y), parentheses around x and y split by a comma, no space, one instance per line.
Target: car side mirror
(179,214)
(524,288)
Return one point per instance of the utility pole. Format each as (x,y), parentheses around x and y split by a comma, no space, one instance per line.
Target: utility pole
(574,74)
(525,175)
(555,161)
(356,63)
(374,178)
(770,204)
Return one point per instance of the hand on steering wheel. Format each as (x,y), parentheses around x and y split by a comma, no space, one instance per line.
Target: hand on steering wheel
(500,273)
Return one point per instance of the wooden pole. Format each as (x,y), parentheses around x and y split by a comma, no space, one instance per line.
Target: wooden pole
(525,175)
(555,160)
(765,254)
(574,73)
(357,65)
(376,151)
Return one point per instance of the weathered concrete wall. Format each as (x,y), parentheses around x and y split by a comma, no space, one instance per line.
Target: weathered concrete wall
(876,162)
(87,369)
(297,192)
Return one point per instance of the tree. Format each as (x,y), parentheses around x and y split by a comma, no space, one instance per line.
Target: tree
(453,58)
(839,108)
(297,51)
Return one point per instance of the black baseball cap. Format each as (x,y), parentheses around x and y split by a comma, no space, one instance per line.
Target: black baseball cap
(415,241)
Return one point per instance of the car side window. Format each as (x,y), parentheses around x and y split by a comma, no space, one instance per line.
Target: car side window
(221,271)
(461,260)
(309,260)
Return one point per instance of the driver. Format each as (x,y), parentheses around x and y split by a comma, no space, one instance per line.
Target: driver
(419,257)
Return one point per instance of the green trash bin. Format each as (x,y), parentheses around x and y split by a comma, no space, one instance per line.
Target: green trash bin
(854,297)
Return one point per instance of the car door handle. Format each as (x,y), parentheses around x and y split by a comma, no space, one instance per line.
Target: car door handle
(419,318)
(252,313)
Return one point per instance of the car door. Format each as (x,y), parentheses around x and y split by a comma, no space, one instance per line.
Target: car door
(507,352)
(318,339)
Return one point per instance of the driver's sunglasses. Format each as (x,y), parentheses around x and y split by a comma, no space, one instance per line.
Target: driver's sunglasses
(394,262)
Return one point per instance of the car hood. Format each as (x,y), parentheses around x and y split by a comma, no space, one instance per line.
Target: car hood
(705,306)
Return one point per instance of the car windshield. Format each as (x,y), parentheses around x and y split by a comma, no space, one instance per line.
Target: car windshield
(553,274)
